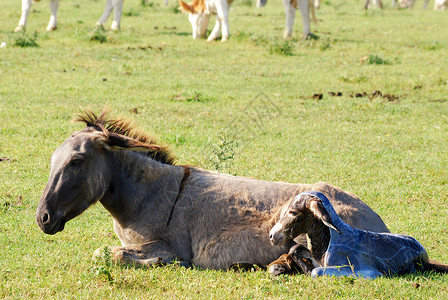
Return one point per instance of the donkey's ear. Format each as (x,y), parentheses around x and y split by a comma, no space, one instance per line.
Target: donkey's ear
(186,7)
(319,211)
(299,202)
(114,142)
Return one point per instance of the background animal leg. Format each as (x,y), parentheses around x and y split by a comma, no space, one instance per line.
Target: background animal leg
(261,3)
(26,6)
(52,24)
(290,13)
(304,10)
(118,8)
(150,254)
(216,30)
(222,13)
(366,4)
(107,11)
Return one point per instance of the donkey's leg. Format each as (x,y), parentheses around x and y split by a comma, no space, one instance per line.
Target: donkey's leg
(52,25)
(302,256)
(290,13)
(149,254)
(118,9)
(26,6)
(283,265)
(107,11)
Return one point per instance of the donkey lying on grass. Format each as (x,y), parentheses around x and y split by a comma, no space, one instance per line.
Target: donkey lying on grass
(340,249)
(163,212)
(116,5)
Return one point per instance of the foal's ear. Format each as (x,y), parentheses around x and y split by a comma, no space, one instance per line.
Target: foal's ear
(317,208)
(185,7)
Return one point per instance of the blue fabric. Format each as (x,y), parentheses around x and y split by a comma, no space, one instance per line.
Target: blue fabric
(360,253)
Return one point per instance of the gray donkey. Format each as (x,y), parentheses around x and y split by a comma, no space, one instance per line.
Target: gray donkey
(163,212)
(341,250)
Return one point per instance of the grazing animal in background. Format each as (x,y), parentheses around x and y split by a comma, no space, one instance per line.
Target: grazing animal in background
(440,4)
(305,6)
(405,3)
(370,3)
(342,250)
(115,5)
(199,12)
(164,212)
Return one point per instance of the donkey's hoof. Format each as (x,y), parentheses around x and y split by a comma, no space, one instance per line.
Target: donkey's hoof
(19,29)
(101,253)
(277,269)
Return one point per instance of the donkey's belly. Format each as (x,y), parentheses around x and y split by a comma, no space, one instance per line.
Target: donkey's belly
(248,245)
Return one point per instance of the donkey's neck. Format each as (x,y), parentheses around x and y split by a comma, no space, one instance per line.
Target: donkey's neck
(319,234)
(140,184)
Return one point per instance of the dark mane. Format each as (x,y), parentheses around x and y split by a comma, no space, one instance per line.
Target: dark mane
(126,128)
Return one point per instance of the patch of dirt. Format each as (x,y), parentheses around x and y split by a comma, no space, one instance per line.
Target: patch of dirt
(134,110)
(145,48)
(317,96)
(272,75)
(6,159)
(391,97)
(376,94)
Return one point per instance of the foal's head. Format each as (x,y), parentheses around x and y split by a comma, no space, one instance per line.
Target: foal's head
(303,212)
(82,168)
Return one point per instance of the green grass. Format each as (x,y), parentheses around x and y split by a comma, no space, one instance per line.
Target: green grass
(247,106)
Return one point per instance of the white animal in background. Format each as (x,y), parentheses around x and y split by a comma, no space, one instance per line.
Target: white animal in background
(440,4)
(373,3)
(406,3)
(116,5)
(199,12)
(305,6)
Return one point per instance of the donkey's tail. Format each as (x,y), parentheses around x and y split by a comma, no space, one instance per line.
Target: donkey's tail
(435,266)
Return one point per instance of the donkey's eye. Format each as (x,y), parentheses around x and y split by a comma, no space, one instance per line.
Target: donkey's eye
(76,162)
(293,213)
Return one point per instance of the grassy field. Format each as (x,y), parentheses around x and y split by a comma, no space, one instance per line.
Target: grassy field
(363,107)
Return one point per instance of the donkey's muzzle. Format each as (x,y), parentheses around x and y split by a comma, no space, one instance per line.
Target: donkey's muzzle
(49,223)
(276,236)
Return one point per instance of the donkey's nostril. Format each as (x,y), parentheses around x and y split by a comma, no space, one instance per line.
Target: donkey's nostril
(45,218)
(270,236)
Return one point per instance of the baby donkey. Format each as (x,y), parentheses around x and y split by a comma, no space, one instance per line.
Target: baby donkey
(340,250)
